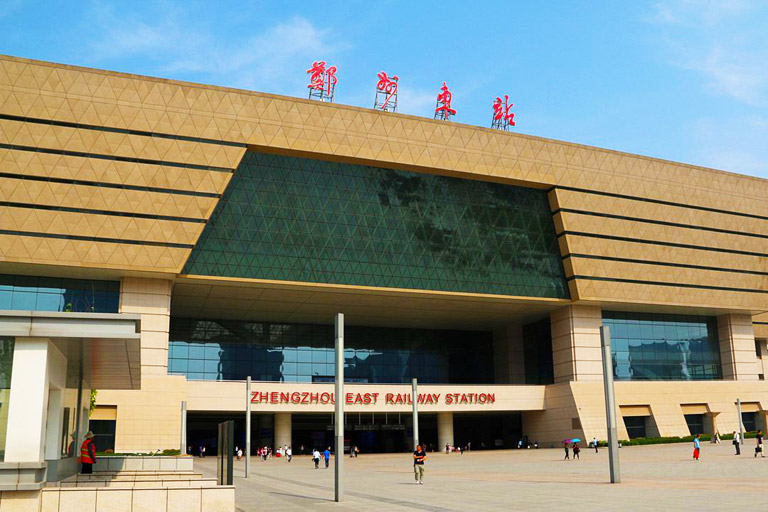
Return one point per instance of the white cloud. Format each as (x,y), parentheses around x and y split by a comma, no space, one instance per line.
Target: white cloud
(738,74)
(698,12)
(736,144)
(417,102)
(271,60)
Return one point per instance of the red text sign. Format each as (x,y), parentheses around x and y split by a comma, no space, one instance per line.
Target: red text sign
(311,398)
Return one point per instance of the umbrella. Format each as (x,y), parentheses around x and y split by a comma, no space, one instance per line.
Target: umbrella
(575,440)
(566,441)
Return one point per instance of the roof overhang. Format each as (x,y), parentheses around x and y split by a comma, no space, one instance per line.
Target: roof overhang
(109,345)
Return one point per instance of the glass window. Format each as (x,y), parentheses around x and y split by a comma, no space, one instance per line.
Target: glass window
(383,355)
(663,347)
(52,294)
(382,227)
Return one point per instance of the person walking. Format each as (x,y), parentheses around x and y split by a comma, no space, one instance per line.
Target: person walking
(595,443)
(576,451)
(239,454)
(447,448)
(696,447)
(316,458)
(327,456)
(567,452)
(289,453)
(737,442)
(759,447)
(87,454)
(419,456)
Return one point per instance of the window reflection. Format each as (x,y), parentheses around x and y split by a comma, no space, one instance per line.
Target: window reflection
(34,293)
(299,219)
(648,346)
(232,350)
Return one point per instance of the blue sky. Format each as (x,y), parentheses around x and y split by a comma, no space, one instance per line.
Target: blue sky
(685,80)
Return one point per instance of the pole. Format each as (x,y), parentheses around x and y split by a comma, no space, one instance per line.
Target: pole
(183,433)
(610,405)
(741,423)
(339,397)
(415,400)
(247,426)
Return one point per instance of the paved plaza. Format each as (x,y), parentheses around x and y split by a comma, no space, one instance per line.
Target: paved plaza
(661,477)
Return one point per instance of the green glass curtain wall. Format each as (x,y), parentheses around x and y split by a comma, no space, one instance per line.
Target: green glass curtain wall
(299,219)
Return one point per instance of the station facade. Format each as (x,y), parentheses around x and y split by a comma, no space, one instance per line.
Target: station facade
(235,224)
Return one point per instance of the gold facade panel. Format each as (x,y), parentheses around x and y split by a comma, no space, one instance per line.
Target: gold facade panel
(659,212)
(30,163)
(357,133)
(42,250)
(101,226)
(576,222)
(608,248)
(118,144)
(632,293)
(665,274)
(108,199)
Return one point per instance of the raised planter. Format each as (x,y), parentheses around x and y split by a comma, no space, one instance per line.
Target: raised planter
(117,463)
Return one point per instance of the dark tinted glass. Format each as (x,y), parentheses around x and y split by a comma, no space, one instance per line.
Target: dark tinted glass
(232,350)
(297,219)
(53,294)
(649,346)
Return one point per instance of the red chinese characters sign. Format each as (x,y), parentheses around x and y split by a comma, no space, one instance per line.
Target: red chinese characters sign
(386,93)
(502,117)
(443,109)
(322,81)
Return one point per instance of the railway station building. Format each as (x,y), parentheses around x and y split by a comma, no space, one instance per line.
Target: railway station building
(227,227)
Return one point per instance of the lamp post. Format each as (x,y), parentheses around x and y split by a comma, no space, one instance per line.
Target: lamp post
(247,426)
(339,417)
(610,405)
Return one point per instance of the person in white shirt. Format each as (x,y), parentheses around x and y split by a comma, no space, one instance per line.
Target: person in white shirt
(594,443)
(289,453)
(316,458)
(737,442)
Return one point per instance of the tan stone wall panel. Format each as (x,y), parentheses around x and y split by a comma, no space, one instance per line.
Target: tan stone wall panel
(665,274)
(643,231)
(27,249)
(109,199)
(632,293)
(659,212)
(659,253)
(101,226)
(267,120)
(30,163)
(118,144)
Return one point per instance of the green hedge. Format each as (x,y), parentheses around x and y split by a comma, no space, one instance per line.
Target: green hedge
(668,440)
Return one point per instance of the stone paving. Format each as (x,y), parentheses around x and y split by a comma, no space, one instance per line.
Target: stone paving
(661,477)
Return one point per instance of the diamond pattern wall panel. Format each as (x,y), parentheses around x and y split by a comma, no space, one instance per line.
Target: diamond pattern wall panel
(299,219)
(52,91)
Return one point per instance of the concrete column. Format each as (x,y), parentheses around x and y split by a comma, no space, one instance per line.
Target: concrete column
(444,430)
(576,343)
(151,298)
(282,429)
(737,347)
(508,355)
(27,407)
